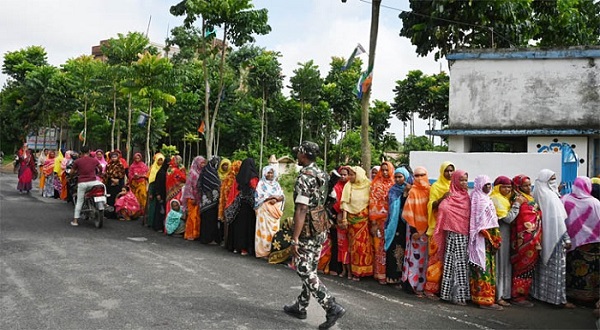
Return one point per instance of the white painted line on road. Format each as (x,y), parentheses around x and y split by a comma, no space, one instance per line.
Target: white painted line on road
(479,326)
(137,239)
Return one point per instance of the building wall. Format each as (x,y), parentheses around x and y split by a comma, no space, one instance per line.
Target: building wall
(525,93)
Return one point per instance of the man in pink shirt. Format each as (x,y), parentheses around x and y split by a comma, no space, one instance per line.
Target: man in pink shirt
(85,166)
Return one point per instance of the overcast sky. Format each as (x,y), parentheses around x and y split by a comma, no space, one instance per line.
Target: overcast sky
(301,30)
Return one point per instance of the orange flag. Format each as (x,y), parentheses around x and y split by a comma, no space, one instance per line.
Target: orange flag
(201,128)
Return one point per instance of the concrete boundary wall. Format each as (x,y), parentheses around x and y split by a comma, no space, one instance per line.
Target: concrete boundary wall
(492,164)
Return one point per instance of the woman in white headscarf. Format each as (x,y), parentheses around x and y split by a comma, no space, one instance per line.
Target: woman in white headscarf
(268,203)
(549,282)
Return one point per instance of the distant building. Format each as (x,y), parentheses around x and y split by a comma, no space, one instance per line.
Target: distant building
(533,101)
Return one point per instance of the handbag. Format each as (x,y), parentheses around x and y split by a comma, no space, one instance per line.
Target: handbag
(319,220)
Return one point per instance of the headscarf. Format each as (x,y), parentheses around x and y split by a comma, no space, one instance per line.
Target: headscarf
(415,207)
(49,164)
(42,157)
(223,173)
(57,161)
(338,188)
(246,174)
(210,185)
(102,161)
(355,196)
(190,191)
(122,160)
(155,167)
(438,189)
(380,186)
(501,202)
(483,216)
(226,186)
(394,207)
(377,167)
(518,182)
(137,167)
(553,213)
(160,182)
(173,218)
(65,161)
(583,213)
(267,188)
(454,211)
(114,170)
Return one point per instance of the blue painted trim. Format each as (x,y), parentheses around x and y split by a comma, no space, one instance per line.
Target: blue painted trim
(513,132)
(507,54)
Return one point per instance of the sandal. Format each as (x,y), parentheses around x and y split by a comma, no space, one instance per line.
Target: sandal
(431,296)
(503,303)
(569,306)
(355,278)
(74,224)
(333,273)
(383,282)
(495,307)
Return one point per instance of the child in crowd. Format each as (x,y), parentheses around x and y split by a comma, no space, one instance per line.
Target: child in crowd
(175,223)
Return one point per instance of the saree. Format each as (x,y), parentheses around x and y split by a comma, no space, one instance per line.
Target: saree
(267,214)
(191,198)
(138,172)
(525,243)
(483,280)
(378,213)
(66,161)
(26,171)
(361,249)
(436,240)
(175,181)
(127,206)
(282,242)
(343,250)
(48,174)
(226,186)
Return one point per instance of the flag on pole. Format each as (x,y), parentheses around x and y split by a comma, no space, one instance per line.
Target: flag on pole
(201,128)
(363,84)
(82,135)
(357,51)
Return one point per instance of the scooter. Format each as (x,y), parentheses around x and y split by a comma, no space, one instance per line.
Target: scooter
(94,201)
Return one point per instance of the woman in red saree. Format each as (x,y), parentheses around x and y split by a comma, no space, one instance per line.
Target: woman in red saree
(26,169)
(138,180)
(378,212)
(175,181)
(355,204)
(525,242)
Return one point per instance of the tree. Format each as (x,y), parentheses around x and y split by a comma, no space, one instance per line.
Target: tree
(18,63)
(379,122)
(239,22)
(441,26)
(306,85)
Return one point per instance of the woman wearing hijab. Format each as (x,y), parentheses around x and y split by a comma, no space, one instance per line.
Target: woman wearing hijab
(378,212)
(374,172)
(453,217)
(66,161)
(549,279)
(151,204)
(48,174)
(355,206)
(27,168)
(224,168)
(507,212)
(240,211)
(268,202)
(57,174)
(415,241)
(435,260)
(596,188)
(160,196)
(191,199)
(226,186)
(210,187)
(525,242)
(114,180)
(101,159)
(138,180)
(127,206)
(40,164)
(583,226)
(395,227)
(484,241)
(328,261)
(343,245)
(176,178)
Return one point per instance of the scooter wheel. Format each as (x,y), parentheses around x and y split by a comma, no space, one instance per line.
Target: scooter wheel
(99,220)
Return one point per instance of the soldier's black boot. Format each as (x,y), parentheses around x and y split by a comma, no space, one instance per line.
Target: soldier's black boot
(334,313)
(294,310)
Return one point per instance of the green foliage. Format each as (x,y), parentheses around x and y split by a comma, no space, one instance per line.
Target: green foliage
(18,63)
(423,95)
(418,143)
(169,150)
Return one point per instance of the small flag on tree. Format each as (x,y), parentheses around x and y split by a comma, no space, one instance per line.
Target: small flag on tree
(357,51)
(201,128)
(364,82)
(82,135)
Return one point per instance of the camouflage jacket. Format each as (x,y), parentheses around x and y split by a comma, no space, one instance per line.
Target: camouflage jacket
(311,186)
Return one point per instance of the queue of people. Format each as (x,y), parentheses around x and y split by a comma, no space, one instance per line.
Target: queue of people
(502,244)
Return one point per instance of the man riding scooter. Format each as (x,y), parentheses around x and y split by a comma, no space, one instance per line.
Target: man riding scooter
(85,166)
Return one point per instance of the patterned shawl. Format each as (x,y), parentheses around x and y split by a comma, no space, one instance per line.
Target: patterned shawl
(223,173)
(49,165)
(553,214)
(501,202)
(67,160)
(583,210)
(393,217)
(155,167)
(102,160)
(438,189)
(190,191)
(175,177)
(209,185)
(415,207)
(139,168)
(114,170)
(454,212)
(378,198)
(267,188)
(226,185)
(355,196)
(483,216)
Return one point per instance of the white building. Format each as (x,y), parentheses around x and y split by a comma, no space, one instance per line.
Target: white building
(533,101)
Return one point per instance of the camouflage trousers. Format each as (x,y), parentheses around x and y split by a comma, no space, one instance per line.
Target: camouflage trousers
(309,250)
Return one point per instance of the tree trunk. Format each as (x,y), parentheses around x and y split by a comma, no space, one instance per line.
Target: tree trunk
(365,145)
(148,131)
(262,129)
(112,132)
(129,132)
(84,121)
(301,119)
(211,132)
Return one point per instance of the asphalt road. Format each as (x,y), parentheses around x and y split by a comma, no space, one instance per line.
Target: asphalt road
(125,276)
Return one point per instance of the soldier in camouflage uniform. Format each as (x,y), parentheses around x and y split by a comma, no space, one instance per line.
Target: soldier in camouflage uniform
(310,190)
